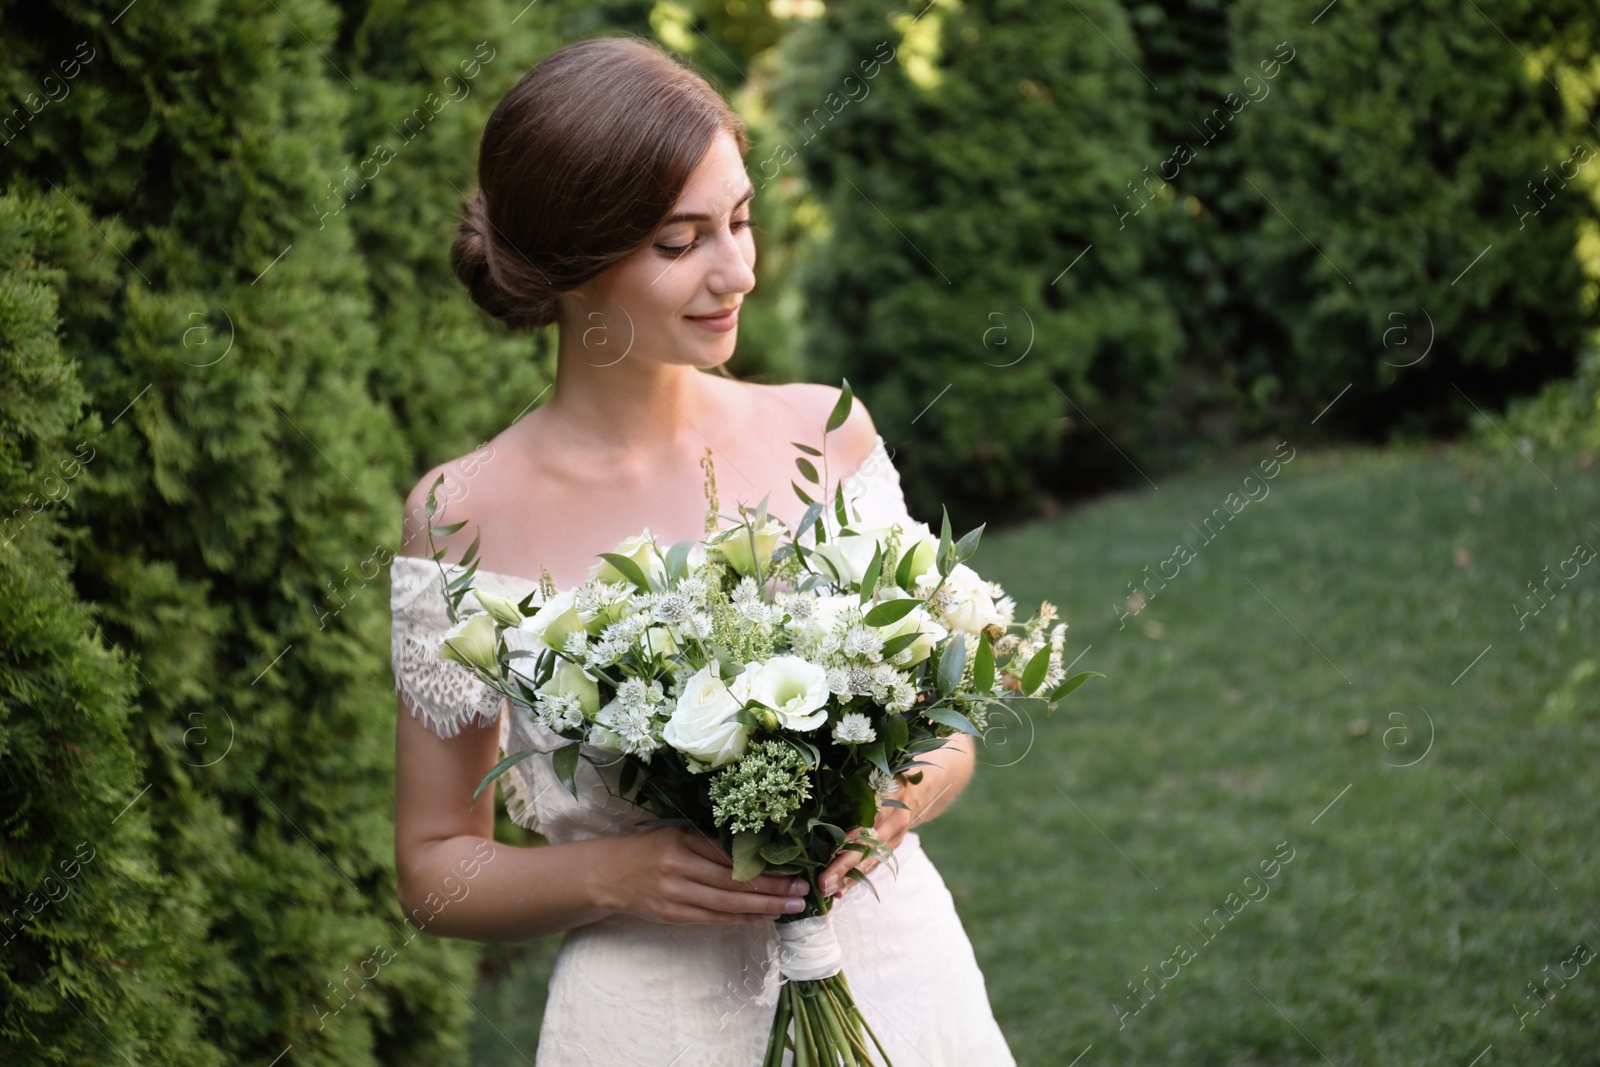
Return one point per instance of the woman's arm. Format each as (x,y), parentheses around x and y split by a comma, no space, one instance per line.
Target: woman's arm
(455,880)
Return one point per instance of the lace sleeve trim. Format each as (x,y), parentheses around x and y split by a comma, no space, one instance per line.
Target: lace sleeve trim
(444,695)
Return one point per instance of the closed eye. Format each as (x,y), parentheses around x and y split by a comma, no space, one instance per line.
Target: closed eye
(677,251)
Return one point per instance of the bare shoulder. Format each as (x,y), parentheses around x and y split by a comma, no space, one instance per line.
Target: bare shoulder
(446,483)
(813,402)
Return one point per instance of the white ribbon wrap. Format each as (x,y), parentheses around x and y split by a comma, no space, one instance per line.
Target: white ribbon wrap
(808,949)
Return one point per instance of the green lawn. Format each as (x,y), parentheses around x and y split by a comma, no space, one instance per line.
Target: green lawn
(1338,676)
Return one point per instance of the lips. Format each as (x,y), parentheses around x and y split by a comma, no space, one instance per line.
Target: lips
(724,320)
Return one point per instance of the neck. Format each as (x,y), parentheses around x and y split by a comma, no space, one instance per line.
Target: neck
(630,404)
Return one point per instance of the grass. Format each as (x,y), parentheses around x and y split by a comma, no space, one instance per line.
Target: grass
(1337,676)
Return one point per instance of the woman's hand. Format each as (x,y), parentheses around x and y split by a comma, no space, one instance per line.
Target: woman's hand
(890,827)
(676,874)
(945,773)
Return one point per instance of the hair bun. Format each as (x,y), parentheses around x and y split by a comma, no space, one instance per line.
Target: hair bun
(478,257)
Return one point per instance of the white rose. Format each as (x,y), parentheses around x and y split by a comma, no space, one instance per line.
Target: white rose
(795,688)
(702,725)
(851,552)
(966,602)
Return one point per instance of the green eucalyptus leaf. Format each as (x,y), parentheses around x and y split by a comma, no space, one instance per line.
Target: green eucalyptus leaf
(1070,684)
(498,769)
(746,852)
(869,579)
(895,731)
(890,611)
(1033,674)
(841,407)
(952,658)
(983,665)
(855,874)
(896,645)
(873,753)
(630,570)
(902,573)
(948,716)
(968,544)
(678,559)
(780,852)
(565,760)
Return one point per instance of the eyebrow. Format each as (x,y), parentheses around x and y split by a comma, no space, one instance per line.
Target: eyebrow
(693,216)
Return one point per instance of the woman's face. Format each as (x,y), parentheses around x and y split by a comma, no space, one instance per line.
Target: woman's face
(669,301)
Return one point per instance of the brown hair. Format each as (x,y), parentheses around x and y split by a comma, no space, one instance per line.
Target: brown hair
(579,163)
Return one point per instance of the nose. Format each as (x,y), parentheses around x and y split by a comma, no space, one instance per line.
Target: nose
(733,272)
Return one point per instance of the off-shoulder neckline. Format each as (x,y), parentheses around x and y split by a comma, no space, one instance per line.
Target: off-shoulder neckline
(878,445)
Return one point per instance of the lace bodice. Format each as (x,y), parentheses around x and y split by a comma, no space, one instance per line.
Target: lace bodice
(448,699)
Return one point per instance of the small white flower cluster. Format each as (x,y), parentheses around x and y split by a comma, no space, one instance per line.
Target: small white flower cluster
(615,641)
(558,711)
(751,609)
(634,718)
(854,728)
(885,685)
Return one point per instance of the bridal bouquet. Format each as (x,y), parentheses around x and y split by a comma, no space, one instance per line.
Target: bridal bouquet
(770,693)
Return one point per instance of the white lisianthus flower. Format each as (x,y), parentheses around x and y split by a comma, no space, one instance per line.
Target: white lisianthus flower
(502,608)
(552,624)
(854,729)
(703,724)
(638,548)
(470,642)
(966,602)
(732,545)
(795,688)
(605,738)
(924,543)
(661,641)
(569,679)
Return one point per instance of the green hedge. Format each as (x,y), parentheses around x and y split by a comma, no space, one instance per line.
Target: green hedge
(96,938)
(1253,255)
(955,168)
(260,378)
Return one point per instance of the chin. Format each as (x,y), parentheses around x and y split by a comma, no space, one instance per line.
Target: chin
(706,357)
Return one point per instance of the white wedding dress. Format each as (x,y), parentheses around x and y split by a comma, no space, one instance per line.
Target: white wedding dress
(626,992)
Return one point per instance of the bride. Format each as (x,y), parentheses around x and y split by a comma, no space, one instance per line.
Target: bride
(614,204)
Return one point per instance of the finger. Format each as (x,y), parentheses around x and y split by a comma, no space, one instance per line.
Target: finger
(728,900)
(716,876)
(833,878)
